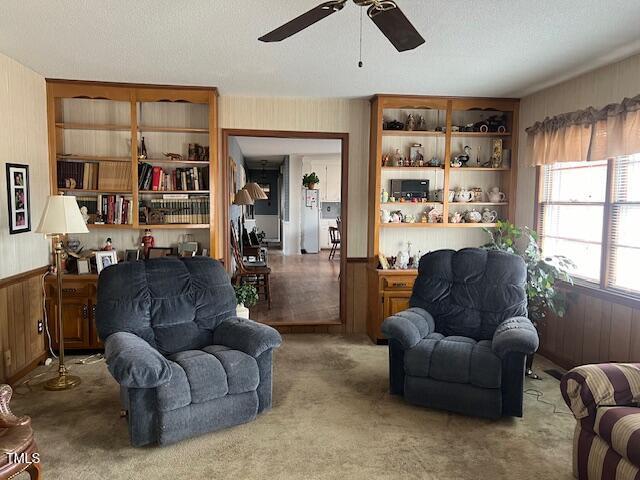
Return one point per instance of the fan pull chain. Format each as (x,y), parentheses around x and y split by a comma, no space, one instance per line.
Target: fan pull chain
(360,64)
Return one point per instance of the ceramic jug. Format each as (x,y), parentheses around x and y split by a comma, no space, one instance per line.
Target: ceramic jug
(496,196)
(473,216)
(463,195)
(385,216)
(489,216)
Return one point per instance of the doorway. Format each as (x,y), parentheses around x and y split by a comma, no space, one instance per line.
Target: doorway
(307,289)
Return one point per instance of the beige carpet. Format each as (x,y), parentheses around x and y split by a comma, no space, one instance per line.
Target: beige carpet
(332,418)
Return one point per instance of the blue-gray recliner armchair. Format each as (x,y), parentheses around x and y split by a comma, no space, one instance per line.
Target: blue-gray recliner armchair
(185,364)
(461,346)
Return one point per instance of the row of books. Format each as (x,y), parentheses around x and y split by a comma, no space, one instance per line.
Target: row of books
(156,178)
(78,175)
(113,209)
(182,208)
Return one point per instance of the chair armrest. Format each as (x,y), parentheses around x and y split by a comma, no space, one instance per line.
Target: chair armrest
(134,363)
(515,334)
(409,326)
(247,336)
(587,387)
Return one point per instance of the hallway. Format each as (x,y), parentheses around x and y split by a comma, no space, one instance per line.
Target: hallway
(305,289)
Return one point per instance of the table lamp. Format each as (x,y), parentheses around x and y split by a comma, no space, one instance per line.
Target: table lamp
(61,216)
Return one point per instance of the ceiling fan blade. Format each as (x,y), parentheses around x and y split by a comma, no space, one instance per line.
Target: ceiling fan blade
(395,26)
(303,21)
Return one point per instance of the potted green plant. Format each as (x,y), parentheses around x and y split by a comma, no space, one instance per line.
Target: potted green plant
(246,297)
(309,180)
(542,272)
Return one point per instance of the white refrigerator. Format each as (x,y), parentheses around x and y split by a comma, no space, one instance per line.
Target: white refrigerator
(310,221)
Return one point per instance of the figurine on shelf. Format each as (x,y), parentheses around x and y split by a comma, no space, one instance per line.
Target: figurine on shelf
(108,245)
(148,242)
(411,123)
(84,211)
(462,159)
(402,260)
(416,155)
(422,123)
(397,158)
(396,216)
(143,150)
(385,216)
(496,156)
(409,218)
(99,219)
(384,196)
(424,218)
(386,160)
(394,125)
(434,162)
(455,217)
(173,156)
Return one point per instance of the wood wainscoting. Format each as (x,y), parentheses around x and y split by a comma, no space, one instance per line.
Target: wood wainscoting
(597,327)
(21,307)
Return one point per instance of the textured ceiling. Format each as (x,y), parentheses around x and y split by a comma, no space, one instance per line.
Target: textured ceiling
(473,47)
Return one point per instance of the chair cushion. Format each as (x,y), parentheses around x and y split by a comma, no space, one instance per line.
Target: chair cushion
(199,376)
(620,428)
(454,359)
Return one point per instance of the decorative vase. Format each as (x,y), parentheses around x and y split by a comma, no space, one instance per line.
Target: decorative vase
(242,311)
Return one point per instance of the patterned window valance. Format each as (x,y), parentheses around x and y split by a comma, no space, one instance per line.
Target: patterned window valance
(590,134)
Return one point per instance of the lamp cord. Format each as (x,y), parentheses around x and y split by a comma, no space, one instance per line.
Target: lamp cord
(360,58)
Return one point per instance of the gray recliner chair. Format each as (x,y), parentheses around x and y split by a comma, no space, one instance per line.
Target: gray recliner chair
(462,344)
(185,364)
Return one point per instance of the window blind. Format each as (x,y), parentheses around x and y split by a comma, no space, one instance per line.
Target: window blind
(623,267)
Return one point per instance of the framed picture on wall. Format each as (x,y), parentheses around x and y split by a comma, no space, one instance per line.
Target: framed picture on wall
(18,199)
(232,180)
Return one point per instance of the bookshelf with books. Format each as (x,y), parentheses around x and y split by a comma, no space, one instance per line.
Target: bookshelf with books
(96,134)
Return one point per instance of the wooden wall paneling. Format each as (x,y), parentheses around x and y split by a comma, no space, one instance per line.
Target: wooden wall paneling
(4,332)
(620,333)
(634,344)
(17,315)
(605,331)
(592,330)
(573,329)
(20,309)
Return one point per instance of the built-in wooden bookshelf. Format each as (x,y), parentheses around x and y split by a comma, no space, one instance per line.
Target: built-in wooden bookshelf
(449,124)
(95,135)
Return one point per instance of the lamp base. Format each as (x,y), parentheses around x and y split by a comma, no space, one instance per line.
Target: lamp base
(62,382)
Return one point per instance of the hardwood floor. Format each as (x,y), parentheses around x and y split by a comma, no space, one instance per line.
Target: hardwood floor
(305,290)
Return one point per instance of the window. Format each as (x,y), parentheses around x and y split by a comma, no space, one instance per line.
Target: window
(595,226)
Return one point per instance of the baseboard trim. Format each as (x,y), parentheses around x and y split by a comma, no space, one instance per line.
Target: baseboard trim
(26,369)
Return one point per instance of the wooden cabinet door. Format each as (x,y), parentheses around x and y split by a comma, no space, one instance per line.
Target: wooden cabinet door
(395,302)
(95,338)
(75,317)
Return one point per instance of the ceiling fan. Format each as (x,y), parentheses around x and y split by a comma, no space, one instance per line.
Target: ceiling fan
(384,13)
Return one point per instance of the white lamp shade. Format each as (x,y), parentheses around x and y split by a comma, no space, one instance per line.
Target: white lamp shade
(242,198)
(255,191)
(62,215)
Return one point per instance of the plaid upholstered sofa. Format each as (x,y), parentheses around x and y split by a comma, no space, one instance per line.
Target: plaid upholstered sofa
(604,400)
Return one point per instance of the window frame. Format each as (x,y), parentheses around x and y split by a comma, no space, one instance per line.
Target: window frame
(599,289)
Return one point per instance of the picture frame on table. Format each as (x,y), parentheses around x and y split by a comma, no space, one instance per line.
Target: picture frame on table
(132,255)
(105,259)
(157,252)
(84,266)
(18,198)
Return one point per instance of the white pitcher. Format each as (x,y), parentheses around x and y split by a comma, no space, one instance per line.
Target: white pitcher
(496,196)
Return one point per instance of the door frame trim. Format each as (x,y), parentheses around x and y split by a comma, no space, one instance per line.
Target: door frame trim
(344,193)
